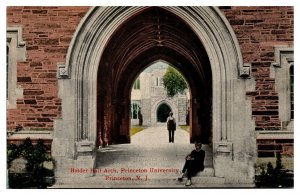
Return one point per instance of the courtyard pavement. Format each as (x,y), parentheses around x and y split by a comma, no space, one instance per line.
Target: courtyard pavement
(149,161)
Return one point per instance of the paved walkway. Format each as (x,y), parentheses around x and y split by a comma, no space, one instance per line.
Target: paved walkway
(148,161)
(151,148)
(158,135)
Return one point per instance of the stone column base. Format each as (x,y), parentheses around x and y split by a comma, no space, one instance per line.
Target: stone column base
(81,165)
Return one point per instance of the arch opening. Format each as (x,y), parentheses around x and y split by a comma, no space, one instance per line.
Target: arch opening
(152,93)
(153,35)
(162,112)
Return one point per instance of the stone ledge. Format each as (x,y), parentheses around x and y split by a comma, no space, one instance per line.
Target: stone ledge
(275,135)
(34,135)
(100,182)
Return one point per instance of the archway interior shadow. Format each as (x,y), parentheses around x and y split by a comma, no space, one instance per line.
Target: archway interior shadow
(154,34)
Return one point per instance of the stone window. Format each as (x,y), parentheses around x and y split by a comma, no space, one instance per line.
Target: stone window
(292,90)
(283,72)
(161,81)
(135,108)
(15,47)
(158,81)
(136,84)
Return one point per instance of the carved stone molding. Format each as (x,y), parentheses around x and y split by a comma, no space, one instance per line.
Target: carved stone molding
(245,71)
(16,51)
(18,33)
(84,148)
(279,70)
(223,148)
(62,71)
(276,64)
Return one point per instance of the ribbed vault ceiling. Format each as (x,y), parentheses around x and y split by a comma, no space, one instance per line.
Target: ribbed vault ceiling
(152,35)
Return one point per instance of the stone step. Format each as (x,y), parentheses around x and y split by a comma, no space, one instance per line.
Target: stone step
(143,179)
(207,172)
(197,182)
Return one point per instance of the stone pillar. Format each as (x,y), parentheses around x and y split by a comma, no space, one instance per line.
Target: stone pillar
(222,156)
(234,153)
(124,128)
(146,105)
(182,109)
(196,126)
(69,150)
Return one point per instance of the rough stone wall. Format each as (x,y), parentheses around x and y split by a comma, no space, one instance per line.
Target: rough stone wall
(269,147)
(258,30)
(146,111)
(182,102)
(47,32)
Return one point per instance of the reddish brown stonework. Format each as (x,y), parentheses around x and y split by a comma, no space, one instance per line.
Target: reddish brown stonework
(269,147)
(47,32)
(259,30)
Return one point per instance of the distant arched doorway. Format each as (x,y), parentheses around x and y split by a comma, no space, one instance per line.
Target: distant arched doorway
(162,113)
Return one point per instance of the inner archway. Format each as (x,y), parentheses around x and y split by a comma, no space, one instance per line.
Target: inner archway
(163,112)
(152,35)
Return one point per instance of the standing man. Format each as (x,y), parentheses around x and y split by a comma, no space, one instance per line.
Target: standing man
(171,124)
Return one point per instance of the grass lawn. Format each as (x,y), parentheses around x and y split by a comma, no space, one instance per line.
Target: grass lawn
(185,127)
(136,129)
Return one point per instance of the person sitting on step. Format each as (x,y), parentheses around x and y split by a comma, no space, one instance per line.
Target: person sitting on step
(194,163)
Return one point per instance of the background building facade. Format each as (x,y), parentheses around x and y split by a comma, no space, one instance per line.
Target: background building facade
(149,97)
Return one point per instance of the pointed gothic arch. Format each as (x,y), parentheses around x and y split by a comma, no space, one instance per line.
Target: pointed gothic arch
(75,134)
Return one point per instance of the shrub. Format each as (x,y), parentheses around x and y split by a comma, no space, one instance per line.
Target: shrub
(36,175)
(275,177)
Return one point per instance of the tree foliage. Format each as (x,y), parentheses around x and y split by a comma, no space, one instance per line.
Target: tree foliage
(173,82)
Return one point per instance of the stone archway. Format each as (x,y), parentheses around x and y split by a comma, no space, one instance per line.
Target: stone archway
(75,135)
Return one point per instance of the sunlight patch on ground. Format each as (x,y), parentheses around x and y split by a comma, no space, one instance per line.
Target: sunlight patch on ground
(136,129)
